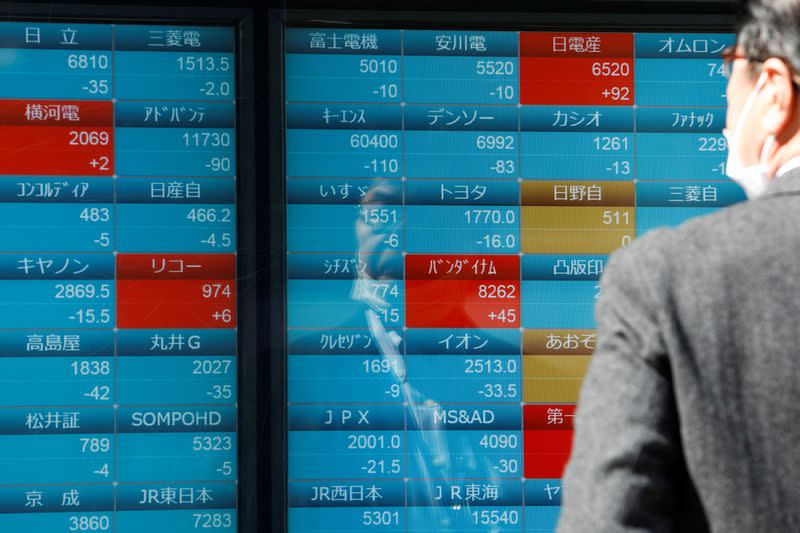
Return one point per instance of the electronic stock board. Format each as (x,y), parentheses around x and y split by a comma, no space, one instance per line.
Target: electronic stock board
(439,207)
(452,197)
(120,169)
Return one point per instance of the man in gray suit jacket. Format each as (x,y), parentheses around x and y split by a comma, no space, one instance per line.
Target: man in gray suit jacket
(689,416)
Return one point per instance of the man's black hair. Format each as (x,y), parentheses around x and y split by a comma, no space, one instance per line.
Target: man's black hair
(771,28)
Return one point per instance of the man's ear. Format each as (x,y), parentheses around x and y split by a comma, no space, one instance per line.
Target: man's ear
(781,89)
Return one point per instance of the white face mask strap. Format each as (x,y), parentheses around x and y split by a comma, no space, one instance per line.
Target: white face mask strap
(751,100)
(767,145)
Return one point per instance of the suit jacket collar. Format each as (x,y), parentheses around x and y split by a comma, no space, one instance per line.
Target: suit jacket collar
(789,183)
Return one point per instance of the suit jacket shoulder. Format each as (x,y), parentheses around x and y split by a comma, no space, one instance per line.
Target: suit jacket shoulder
(688,411)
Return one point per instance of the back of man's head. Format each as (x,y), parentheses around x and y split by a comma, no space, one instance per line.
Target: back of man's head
(771,28)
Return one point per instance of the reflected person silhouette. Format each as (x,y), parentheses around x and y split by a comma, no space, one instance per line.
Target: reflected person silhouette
(378,229)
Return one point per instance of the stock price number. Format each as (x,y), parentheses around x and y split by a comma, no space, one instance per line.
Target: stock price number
(381,467)
(212,520)
(89,523)
(504,316)
(498,391)
(380,518)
